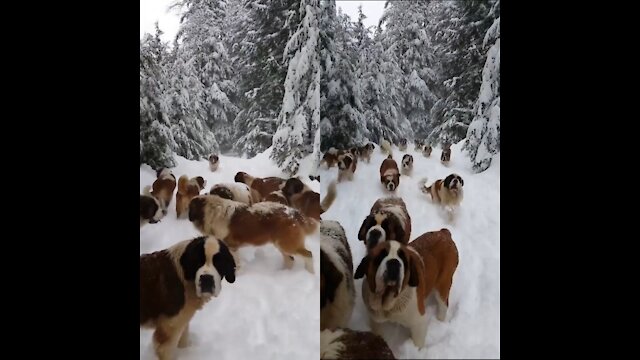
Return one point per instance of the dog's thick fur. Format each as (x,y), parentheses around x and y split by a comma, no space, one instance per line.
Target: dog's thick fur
(301,197)
(263,186)
(407,164)
(347,164)
(365,152)
(426,150)
(337,292)
(236,192)
(400,278)
(163,186)
(347,344)
(214,162)
(150,210)
(447,192)
(446,155)
(385,147)
(389,174)
(240,225)
(388,219)
(187,190)
(277,197)
(175,283)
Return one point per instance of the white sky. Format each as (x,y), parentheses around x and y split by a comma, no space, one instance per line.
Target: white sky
(372,10)
(158,10)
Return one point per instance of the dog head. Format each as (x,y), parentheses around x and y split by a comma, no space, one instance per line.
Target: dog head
(243,177)
(454,182)
(222,191)
(380,227)
(407,161)
(201,182)
(151,209)
(403,142)
(206,261)
(330,278)
(213,158)
(292,187)
(163,172)
(345,161)
(355,151)
(389,267)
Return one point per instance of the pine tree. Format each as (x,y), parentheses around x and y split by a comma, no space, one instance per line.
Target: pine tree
(298,134)
(483,136)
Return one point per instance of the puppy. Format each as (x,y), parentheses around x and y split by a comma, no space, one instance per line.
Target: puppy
(400,278)
(337,292)
(350,344)
(366,151)
(214,161)
(387,220)
(240,225)
(162,188)
(235,191)
(426,150)
(175,283)
(407,164)
(385,147)
(150,210)
(402,144)
(301,197)
(187,190)
(330,158)
(447,192)
(263,186)
(446,155)
(389,174)
(346,166)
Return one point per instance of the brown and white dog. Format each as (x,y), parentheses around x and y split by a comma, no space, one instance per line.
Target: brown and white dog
(387,220)
(301,197)
(187,190)
(263,186)
(365,152)
(150,210)
(162,188)
(400,278)
(418,145)
(337,292)
(276,197)
(240,225)
(447,192)
(330,158)
(214,161)
(402,144)
(347,164)
(350,344)
(236,192)
(389,174)
(426,150)
(175,283)
(407,164)
(446,155)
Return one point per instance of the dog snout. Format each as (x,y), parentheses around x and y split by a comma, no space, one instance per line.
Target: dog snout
(390,186)
(392,274)
(206,283)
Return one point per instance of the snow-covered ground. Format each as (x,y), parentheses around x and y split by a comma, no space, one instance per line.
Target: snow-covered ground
(472,329)
(269,312)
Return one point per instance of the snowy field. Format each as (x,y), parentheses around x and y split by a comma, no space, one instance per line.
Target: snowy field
(472,329)
(269,312)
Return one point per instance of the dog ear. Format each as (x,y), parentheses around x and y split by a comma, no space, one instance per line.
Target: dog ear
(331,277)
(224,263)
(447,180)
(362,268)
(398,231)
(239,178)
(461,181)
(193,258)
(196,209)
(292,186)
(414,279)
(368,222)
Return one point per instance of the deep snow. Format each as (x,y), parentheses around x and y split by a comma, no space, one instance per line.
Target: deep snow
(472,329)
(269,312)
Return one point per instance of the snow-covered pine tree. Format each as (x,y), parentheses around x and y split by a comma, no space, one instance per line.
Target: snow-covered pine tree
(156,140)
(483,136)
(263,34)
(342,123)
(298,134)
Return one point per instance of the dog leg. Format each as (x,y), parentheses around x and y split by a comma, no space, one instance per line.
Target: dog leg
(288,260)
(236,258)
(165,340)
(184,338)
(375,326)
(442,308)
(419,332)
(308,259)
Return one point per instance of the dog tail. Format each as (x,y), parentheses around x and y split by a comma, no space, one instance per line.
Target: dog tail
(147,190)
(422,184)
(183,184)
(332,193)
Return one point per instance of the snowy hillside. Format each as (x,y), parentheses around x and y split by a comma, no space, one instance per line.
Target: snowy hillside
(472,329)
(269,312)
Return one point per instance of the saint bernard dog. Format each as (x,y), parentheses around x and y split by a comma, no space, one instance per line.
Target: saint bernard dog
(402,144)
(301,197)
(240,225)
(385,147)
(175,283)
(236,192)
(347,164)
(365,152)
(350,344)
(330,157)
(418,145)
(150,210)
(400,278)
(407,164)
(446,155)
(263,186)
(162,188)
(389,174)
(387,220)
(214,161)
(447,192)
(426,150)
(337,292)
(187,190)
